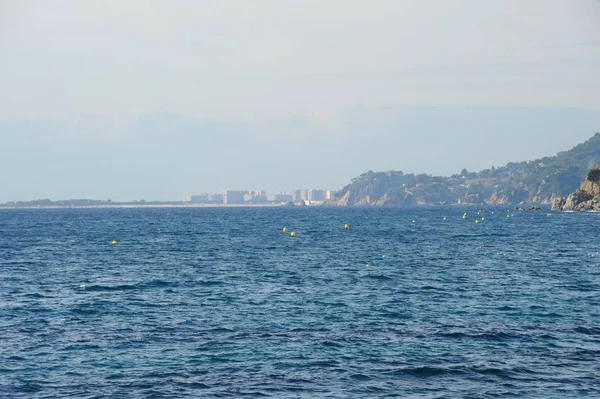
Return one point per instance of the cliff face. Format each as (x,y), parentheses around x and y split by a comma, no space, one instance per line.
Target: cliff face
(538,181)
(586,197)
(498,199)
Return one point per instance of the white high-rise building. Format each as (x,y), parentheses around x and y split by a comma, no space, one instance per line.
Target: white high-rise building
(296,195)
(234,196)
(315,194)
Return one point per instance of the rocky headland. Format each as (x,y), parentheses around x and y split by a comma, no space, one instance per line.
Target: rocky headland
(586,197)
(534,182)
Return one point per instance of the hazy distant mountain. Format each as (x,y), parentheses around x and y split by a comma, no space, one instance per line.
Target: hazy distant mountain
(535,181)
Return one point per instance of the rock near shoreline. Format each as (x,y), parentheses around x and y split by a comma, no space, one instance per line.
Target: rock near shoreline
(586,197)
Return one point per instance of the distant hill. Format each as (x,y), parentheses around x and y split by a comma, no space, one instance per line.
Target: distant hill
(537,181)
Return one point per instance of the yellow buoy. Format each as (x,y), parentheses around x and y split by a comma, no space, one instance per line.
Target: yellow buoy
(476,221)
(479,212)
(414,221)
(293,234)
(507,216)
(368,265)
(445,218)
(285,229)
(346,226)
(548,214)
(114,242)
(482,219)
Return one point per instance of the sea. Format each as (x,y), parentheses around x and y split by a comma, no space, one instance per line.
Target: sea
(220,302)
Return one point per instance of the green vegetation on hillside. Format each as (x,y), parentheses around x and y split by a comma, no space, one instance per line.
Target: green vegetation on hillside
(535,181)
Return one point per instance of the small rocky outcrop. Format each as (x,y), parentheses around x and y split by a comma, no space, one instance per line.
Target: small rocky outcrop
(586,197)
(558,203)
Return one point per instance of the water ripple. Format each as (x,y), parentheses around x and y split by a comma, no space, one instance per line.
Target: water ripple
(220,303)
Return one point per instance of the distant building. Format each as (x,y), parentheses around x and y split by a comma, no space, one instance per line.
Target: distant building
(200,198)
(312,195)
(215,198)
(256,197)
(280,197)
(234,196)
(296,195)
(253,194)
(203,198)
(316,195)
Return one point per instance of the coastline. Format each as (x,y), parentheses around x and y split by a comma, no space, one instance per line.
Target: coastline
(136,206)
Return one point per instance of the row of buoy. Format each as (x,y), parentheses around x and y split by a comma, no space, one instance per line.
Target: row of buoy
(347,226)
(414,221)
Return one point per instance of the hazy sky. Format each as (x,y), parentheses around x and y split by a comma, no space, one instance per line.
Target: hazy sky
(154,99)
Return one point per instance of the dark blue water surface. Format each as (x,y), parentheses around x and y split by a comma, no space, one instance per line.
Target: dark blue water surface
(221,303)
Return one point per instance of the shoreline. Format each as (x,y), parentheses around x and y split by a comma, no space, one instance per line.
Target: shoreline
(141,206)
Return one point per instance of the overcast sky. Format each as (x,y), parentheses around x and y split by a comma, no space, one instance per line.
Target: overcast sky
(155,99)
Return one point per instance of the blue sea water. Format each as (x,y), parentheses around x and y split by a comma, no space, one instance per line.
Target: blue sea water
(220,303)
